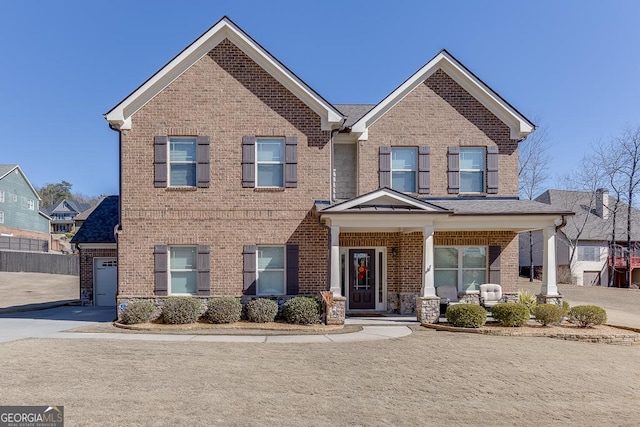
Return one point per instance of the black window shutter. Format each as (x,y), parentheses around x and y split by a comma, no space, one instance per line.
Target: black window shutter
(494,264)
(453,170)
(291,162)
(492,169)
(292,270)
(203,170)
(423,169)
(249,269)
(160,161)
(248,161)
(161,267)
(384,172)
(203,262)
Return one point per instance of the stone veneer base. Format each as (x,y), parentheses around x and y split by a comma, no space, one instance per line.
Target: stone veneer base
(428,309)
(335,313)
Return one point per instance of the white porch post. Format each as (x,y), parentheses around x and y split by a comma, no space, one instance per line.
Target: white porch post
(428,288)
(549,279)
(336,289)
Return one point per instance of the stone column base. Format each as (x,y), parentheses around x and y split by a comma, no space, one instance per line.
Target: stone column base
(335,311)
(549,299)
(428,309)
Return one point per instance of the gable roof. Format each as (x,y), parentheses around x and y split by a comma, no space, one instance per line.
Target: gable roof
(384,200)
(66,205)
(100,225)
(119,117)
(353,112)
(7,169)
(519,125)
(587,224)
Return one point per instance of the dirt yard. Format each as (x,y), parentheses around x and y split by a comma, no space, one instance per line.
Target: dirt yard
(427,378)
(19,289)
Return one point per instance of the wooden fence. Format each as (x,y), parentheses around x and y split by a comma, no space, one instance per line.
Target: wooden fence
(37,262)
(9,243)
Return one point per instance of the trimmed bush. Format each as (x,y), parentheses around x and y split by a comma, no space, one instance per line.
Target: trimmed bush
(302,311)
(510,314)
(181,310)
(466,315)
(565,308)
(548,314)
(223,310)
(262,310)
(528,298)
(138,312)
(587,315)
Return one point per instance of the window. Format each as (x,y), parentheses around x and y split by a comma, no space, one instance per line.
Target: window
(464,267)
(472,170)
(1,196)
(182,270)
(403,169)
(1,217)
(270,162)
(31,204)
(14,197)
(182,162)
(271,270)
(588,253)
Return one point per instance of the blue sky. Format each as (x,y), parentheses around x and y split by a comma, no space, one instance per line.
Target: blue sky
(571,66)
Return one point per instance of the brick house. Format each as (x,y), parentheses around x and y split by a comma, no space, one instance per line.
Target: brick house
(237,178)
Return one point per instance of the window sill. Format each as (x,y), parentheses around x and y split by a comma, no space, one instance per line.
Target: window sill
(268,189)
(181,188)
(472,194)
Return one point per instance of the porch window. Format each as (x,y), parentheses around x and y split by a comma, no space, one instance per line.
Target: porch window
(472,170)
(271,270)
(403,169)
(462,266)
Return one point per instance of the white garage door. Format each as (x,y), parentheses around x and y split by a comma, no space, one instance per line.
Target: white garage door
(106,281)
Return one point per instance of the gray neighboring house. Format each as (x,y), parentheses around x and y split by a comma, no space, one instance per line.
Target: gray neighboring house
(63,215)
(591,229)
(96,243)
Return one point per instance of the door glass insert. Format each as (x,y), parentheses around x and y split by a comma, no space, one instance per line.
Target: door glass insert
(361,261)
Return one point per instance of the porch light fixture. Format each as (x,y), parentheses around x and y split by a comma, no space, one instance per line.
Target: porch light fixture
(394,251)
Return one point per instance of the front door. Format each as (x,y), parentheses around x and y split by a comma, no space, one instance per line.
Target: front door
(362,280)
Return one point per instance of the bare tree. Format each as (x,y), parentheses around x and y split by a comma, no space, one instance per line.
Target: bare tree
(533,172)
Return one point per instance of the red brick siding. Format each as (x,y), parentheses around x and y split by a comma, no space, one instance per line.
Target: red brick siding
(225,95)
(439,113)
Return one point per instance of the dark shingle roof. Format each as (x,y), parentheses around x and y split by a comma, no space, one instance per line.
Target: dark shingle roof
(99,226)
(5,169)
(497,207)
(353,112)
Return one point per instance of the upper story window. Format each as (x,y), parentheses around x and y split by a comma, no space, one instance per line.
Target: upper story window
(182,270)
(182,162)
(270,162)
(588,253)
(31,204)
(1,217)
(403,169)
(14,197)
(271,270)
(472,170)
(1,196)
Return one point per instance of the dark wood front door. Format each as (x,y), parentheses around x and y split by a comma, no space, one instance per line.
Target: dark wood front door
(362,280)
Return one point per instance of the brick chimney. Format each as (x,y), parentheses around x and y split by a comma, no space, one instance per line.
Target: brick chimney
(602,203)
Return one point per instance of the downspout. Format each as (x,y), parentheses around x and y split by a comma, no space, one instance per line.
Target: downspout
(118,226)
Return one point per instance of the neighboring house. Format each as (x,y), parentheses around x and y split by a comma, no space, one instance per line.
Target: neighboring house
(20,215)
(63,214)
(588,234)
(96,243)
(237,178)
(82,216)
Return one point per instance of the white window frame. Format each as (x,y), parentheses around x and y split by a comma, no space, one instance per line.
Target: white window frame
(31,204)
(595,253)
(1,196)
(460,268)
(1,217)
(194,162)
(482,169)
(283,269)
(414,169)
(14,197)
(181,270)
(266,162)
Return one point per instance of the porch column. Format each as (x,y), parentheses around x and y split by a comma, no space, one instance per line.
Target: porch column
(336,288)
(549,279)
(428,288)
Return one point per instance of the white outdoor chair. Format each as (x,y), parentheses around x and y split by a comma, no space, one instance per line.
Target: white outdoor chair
(490,295)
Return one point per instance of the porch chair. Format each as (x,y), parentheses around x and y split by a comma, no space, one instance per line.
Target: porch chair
(490,295)
(448,295)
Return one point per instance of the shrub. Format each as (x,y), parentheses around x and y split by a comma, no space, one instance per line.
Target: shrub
(528,298)
(587,315)
(466,315)
(302,311)
(548,314)
(138,312)
(223,310)
(510,313)
(565,308)
(262,310)
(181,310)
